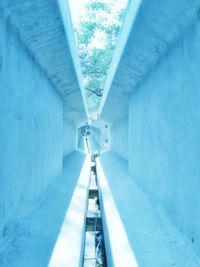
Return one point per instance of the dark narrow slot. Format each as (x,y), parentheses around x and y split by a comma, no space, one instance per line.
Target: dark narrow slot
(94,254)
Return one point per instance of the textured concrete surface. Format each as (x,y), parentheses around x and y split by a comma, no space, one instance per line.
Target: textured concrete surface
(69,247)
(40,96)
(153,238)
(156,29)
(118,249)
(39,27)
(35,236)
(120,137)
(69,137)
(157,86)
(153,112)
(164,137)
(31,121)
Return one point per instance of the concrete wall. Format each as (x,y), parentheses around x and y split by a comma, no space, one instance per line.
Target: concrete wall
(164,134)
(119,137)
(31,132)
(69,137)
(95,139)
(101,135)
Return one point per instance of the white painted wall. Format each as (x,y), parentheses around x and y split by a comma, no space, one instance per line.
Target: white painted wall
(31,132)
(164,134)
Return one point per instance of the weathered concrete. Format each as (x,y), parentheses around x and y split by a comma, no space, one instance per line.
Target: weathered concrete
(157,28)
(40,27)
(157,86)
(118,249)
(35,236)
(40,96)
(153,238)
(152,109)
(164,121)
(120,137)
(69,137)
(31,119)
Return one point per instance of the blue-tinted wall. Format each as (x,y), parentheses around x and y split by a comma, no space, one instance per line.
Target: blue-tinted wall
(164,134)
(69,137)
(31,132)
(119,137)
(165,130)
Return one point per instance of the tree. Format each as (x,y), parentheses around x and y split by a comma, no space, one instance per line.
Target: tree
(96,36)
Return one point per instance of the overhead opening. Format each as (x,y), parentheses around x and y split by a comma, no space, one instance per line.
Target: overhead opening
(96,25)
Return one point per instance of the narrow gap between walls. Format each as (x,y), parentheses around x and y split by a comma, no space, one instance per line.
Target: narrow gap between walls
(94,252)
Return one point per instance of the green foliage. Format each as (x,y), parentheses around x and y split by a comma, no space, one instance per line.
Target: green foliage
(97,5)
(96,36)
(86,32)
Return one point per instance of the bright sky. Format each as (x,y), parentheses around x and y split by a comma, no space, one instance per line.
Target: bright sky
(99,38)
(76,7)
